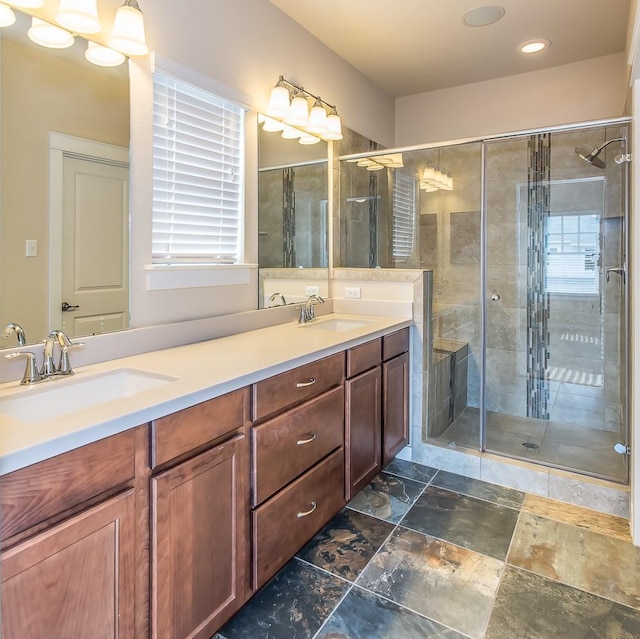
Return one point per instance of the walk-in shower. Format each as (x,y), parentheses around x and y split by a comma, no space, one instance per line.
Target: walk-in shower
(528,247)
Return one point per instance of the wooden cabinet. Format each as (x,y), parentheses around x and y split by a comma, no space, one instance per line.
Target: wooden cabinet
(363,425)
(199,518)
(297,467)
(74,540)
(395,394)
(75,579)
(199,542)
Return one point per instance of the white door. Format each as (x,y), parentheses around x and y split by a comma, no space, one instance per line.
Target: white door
(95,273)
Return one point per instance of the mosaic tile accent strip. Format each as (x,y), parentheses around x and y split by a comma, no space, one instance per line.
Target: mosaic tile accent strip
(538,302)
(288,218)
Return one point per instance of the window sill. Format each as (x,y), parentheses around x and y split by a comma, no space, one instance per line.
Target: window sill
(161,277)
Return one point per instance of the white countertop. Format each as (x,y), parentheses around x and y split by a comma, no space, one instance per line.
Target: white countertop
(203,370)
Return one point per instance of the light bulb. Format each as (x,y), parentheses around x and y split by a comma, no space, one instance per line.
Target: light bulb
(128,30)
(48,35)
(80,16)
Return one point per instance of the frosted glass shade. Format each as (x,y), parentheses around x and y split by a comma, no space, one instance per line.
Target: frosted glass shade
(289,133)
(334,127)
(279,102)
(128,34)
(103,56)
(299,112)
(272,125)
(307,139)
(7,17)
(317,119)
(48,35)
(80,16)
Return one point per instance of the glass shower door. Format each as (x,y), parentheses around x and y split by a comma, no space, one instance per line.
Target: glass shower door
(555,369)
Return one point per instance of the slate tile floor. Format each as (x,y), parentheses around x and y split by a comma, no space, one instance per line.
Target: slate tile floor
(426,554)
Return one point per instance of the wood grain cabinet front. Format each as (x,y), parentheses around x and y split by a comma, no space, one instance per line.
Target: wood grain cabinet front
(74,580)
(199,542)
(289,519)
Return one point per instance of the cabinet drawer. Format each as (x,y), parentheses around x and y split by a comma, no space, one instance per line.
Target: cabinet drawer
(362,358)
(192,427)
(36,493)
(295,386)
(395,344)
(286,446)
(286,522)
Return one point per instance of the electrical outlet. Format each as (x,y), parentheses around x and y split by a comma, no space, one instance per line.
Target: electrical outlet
(312,290)
(352,292)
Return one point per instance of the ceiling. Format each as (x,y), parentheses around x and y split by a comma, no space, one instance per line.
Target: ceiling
(412,46)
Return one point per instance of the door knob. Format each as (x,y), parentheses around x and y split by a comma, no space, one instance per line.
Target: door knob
(495,297)
(69,307)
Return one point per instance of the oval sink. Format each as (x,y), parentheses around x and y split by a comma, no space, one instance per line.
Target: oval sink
(62,396)
(339,325)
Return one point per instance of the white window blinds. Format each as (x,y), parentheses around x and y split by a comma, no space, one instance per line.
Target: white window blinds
(404,217)
(198,166)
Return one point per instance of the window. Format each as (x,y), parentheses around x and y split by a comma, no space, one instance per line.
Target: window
(573,254)
(198,175)
(404,217)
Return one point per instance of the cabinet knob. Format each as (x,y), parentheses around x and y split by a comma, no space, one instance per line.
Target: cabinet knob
(308,512)
(306,382)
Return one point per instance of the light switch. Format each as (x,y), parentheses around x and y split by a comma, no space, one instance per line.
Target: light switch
(32,248)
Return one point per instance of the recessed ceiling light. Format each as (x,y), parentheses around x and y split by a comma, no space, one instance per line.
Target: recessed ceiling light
(482,16)
(534,46)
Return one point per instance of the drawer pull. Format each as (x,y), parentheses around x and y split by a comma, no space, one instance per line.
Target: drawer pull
(306,382)
(308,440)
(308,512)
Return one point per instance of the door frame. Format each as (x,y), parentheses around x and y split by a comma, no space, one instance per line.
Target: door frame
(61,145)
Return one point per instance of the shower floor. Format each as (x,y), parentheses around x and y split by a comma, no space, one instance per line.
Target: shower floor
(567,445)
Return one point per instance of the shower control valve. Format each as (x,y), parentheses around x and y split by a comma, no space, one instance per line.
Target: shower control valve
(495,297)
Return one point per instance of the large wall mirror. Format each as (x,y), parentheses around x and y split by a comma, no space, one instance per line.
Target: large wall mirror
(292,220)
(64,141)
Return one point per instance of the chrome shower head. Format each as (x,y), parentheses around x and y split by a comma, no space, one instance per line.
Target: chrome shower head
(591,157)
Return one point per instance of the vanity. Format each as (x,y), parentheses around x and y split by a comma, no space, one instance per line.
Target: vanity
(160,514)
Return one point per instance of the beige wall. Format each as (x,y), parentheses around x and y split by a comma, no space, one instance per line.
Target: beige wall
(41,92)
(245,44)
(589,90)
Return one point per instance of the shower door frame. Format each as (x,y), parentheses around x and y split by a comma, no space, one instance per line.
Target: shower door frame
(625,328)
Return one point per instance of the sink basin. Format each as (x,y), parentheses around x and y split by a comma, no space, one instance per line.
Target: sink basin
(63,396)
(339,325)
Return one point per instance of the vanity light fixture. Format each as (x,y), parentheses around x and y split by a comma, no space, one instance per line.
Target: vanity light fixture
(48,35)
(79,16)
(434,180)
(128,35)
(103,56)
(289,103)
(7,16)
(379,162)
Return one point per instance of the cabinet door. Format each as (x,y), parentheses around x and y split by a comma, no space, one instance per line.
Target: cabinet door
(200,542)
(74,580)
(363,403)
(395,403)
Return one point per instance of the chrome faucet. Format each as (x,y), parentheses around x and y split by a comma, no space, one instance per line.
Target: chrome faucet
(49,367)
(275,296)
(18,330)
(307,310)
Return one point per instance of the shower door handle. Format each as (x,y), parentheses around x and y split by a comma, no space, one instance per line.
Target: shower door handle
(615,269)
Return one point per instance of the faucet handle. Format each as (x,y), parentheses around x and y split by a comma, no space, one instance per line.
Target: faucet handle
(31,374)
(64,367)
